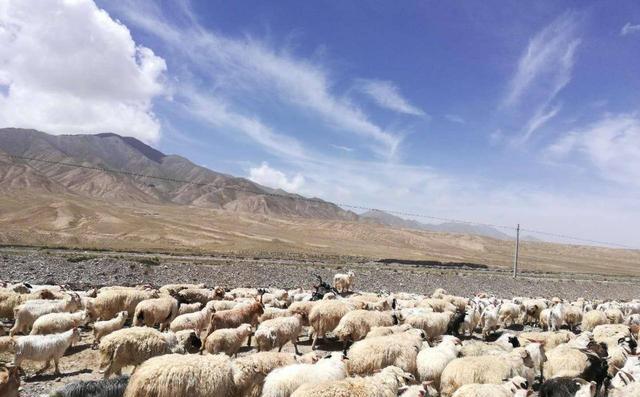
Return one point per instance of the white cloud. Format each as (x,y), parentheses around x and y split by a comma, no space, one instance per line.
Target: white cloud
(547,61)
(454,118)
(628,28)
(70,67)
(265,175)
(387,95)
(244,67)
(611,145)
(544,69)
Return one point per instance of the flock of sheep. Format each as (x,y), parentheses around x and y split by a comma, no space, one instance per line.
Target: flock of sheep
(184,339)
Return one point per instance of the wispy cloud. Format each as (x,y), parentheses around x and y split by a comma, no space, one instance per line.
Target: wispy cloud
(454,118)
(218,113)
(343,148)
(543,115)
(238,66)
(547,61)
(544,70)
(611,145)
(387,95)
(628,28)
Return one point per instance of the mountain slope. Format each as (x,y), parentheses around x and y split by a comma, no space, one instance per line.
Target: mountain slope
(387,219)
(111,151)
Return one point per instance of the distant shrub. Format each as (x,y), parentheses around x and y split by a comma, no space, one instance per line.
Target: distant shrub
(79,258)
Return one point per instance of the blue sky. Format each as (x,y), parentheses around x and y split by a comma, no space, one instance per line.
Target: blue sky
(499,112)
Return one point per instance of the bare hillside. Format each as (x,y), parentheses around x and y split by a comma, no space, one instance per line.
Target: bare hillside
(76,221)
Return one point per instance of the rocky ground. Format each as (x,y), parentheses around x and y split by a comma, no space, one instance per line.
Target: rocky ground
(83,270)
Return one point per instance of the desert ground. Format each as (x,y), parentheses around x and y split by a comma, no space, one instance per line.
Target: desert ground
(51,220)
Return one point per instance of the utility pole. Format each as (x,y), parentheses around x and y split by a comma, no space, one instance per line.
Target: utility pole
(515,256)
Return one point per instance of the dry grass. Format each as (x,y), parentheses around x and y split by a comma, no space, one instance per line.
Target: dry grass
(74,221)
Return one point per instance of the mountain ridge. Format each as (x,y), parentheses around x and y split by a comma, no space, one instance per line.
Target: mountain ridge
(208,188)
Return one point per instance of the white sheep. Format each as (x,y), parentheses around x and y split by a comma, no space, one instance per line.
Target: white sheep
(160,311)
(386,383)
(489,320)
(343,282)
(545,319)
(324,316)
(202,295)
(55,323)
(29,311)
(592,319)
(273,312)
(509,314)
(227,340)
(250,371)
(186,308)
(614,315)
(434,324)
(471,320)
(282,382)
(355,325)
(484,369)
(371,354)
(431,361)
(565,361)
(178,375)
(102,328)
(110,302)
(44,348)
(133,346)
(556,317)
(303,308)
(277,332)
(197,321)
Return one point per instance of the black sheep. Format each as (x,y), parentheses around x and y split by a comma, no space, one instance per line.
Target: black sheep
(114,387)
(564,387)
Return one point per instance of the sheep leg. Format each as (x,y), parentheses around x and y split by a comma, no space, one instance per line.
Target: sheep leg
(295,347)
(315,340)
(249,341)
(280,349)
(56,367)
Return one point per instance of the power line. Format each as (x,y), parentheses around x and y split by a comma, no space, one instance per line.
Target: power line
(315,200)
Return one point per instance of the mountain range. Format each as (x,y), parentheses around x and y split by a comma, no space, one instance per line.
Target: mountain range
(76,164)
(387,219)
